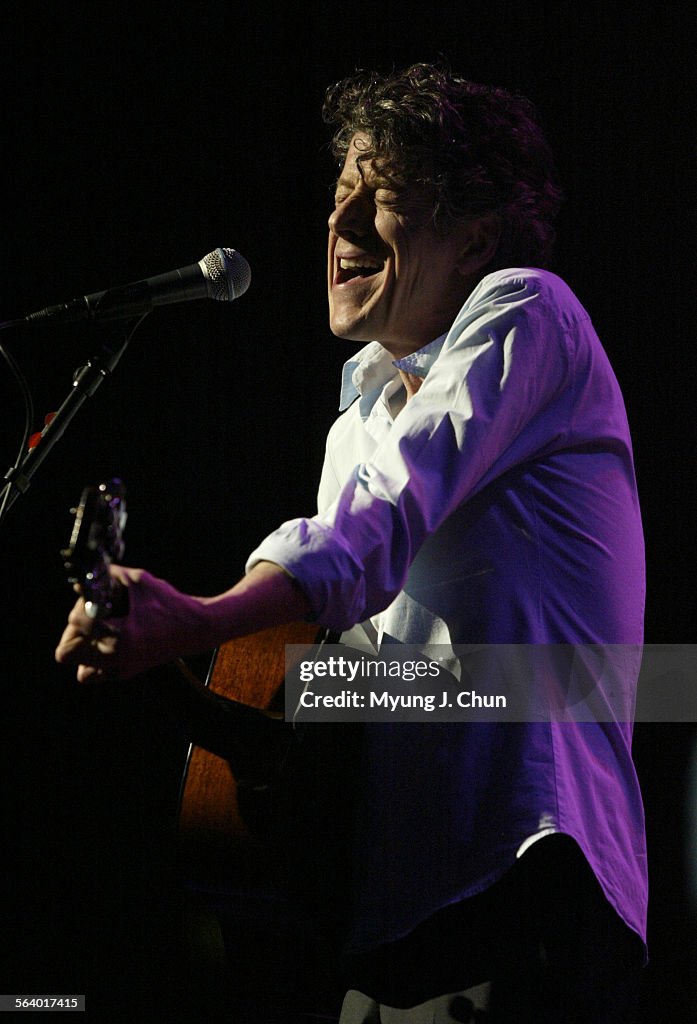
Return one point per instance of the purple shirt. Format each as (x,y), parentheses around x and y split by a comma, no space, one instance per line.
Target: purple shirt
(497,506)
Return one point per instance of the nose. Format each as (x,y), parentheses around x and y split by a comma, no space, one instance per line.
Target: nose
(352,218)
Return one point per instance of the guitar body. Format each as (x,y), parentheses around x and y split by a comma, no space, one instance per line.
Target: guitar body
(218,848)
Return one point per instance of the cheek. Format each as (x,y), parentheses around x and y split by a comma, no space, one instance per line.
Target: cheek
(414,271)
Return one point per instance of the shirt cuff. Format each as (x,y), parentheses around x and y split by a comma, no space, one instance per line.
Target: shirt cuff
(326,572)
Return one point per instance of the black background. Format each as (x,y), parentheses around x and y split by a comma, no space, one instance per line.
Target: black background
(135,140)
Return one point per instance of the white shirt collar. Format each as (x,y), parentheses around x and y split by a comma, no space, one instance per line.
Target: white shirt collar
(366,373)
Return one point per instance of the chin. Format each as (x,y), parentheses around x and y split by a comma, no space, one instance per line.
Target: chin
(349,331)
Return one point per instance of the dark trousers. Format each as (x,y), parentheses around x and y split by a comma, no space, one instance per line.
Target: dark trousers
(544,936)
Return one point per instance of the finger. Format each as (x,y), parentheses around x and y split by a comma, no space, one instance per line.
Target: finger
(76,646)
(89,674)
(79,619)
(125,575)
(71,646)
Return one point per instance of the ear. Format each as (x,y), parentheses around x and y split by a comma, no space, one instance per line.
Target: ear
(479,242)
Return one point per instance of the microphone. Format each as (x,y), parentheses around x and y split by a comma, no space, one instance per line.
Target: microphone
(223,274)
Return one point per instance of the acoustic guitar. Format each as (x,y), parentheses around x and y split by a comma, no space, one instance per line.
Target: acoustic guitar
(246,676)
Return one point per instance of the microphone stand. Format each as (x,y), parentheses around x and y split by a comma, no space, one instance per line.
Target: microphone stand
(86,380)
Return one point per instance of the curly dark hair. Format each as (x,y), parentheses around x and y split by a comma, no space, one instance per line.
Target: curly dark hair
(477,149)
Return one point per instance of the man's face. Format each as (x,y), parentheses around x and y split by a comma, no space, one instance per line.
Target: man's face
(391,278)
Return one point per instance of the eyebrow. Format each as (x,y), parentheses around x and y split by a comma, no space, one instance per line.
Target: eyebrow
(345,182)
(376,183)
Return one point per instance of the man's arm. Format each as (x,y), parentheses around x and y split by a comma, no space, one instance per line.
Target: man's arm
(163,624)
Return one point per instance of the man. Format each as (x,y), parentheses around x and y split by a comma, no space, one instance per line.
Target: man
(478,488)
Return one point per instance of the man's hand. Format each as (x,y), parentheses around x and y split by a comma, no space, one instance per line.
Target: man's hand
(163,624)
(85,642)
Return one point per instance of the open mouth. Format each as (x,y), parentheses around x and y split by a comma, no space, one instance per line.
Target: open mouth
(364,266)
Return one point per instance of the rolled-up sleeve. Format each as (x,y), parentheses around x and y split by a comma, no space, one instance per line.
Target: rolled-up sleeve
(499,393)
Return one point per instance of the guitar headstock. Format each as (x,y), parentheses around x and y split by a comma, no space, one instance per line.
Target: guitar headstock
(96,542)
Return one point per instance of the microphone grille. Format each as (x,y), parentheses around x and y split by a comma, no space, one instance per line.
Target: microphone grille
(228,274)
